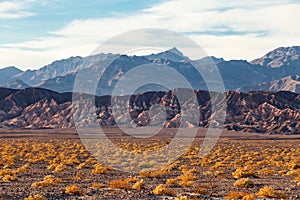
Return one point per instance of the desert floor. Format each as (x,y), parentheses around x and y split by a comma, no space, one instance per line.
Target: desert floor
(56,165)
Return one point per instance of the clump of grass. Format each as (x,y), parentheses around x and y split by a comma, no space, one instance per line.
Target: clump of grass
(249,197)
(48,181)
(244,182)
(293,172)
(235,195)
(187,179)
(51,167)
(9,178)
(5,172)
(186,183)
(98,185)
(35,197)
(152,174)
(171,181)
(100,169)
(266,171)
(297,179)
(293,166)
(119,184)
(24,168)
(241,173)
(269,192)
(74,190)
(164,190)
(138,185)
(182,198)
(81,166)
(72,161)
(60,168)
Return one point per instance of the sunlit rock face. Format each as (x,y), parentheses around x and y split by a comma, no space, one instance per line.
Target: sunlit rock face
(264,112)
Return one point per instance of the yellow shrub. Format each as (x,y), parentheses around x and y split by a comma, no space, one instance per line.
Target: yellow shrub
(60,168)
(188,177)
(293,172)
(241,173)
(98,185)
(24,168)
(48,181)
(74,190)
(293,166)
(152,174)
(164,190)
(52,179)
(51,167)
(35,197)
(171,181)
(8,178)
(244,182)
(269,192)
(40,184)
(81,165)
(186,183)
(235,195)
(266,171)
(100,169)
(5,172)
(119,184)
(138,185)
(249,197)
(297,179)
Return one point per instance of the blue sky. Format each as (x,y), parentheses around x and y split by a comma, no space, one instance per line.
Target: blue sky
(37,32)
(51,15)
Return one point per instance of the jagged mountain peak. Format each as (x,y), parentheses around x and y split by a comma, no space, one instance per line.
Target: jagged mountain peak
(175,51)
(11,68)
(280,57)
(7,72)
(172,54)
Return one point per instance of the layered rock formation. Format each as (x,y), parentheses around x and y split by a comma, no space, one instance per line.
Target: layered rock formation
(264,112)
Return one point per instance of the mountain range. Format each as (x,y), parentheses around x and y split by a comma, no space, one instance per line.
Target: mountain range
(261,95)
(277,70)
(263,112)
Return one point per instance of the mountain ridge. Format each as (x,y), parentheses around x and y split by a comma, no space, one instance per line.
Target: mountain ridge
(289,83)
(262,112)
(60,75)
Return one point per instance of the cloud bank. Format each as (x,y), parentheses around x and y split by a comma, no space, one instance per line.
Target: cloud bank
(230,29)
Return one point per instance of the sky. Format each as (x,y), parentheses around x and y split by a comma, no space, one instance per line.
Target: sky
(34,33)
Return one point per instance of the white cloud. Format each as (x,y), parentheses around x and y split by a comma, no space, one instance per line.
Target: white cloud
(231,29)
(12,10)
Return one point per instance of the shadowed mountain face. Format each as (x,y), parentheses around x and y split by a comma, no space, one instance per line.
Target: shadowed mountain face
(262,112)
(269,73)
(289,83)
(7,73)
(17,84)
